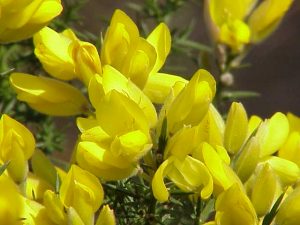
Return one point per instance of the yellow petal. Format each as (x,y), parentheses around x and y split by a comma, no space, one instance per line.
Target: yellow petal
(132,145)
(52,49)
(12,204)
(196,176)
(48,96)
(74,218)
(160,39)
(235,33)
(266,17)
(159,85)
(294,122)
(54,207)
(221,10)
(80,186)
(291,148)
(236,128)
(130,116)
(211,128)
(272,133)
(21,21)
(289,211)
(106,217)
(248,159)
(192,103)
(36,187)
(159,188)
(114,80)
(265,191)
(235,202)
(86,60)
(120,37)
(139,62)
(253,124)
(288,171)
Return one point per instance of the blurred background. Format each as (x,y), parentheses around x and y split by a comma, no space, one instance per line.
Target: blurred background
(274,69)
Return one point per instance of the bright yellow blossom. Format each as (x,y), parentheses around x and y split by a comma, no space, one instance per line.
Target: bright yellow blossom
(54,52)
(192,103)
(49,96)
(266,189)
(17,145)
(12,204)
(82,191)
(289,210)
(111,148)
(112,79)
(188,173)
(125,50)
(106,217)
(291,148)
(236,128)
(20,20)
(233,207)
(238,24)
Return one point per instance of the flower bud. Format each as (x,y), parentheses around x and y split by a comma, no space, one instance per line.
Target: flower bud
(49,96)
(17,145)
(20,20)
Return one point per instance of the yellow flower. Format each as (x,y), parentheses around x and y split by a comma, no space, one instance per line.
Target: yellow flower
(266,18)
(265,190)
(12,204)
(188,173)
(289,211)
(16,147)
(54,208)
(272,133)
(211,128)
(49,96)
(111,148)
(218,166)
(86,60)
(159,86)
(246,162)
(238,24)
(233,207)
(54,52)
(82,191)
(191,104)
(287,171)
(20,20)
(106,217)
(236,128)
(112,79)
(126,51)
(291,148)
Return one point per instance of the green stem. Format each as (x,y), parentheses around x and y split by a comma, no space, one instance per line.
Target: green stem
(198,211)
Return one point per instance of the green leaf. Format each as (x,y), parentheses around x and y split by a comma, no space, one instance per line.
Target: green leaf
(57,184)
(234,95)
(194,45)
(270,216)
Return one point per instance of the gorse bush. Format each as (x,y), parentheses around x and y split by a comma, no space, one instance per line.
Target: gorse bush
(154,147)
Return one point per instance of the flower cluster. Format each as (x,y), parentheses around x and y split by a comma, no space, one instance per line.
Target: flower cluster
(244,22)
(246,164)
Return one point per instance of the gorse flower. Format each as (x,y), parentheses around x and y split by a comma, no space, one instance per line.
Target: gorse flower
(21,20)
(244,22)
(17,145)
